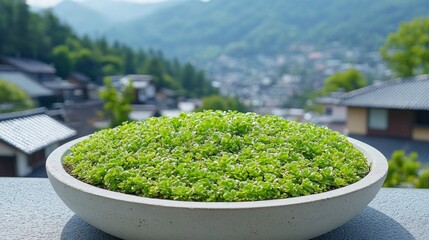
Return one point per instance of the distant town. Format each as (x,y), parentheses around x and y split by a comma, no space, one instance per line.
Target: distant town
(269,83)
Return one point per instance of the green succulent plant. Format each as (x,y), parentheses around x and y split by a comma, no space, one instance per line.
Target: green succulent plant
(217,156)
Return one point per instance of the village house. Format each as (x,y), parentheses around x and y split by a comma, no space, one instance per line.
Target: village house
(39,93)
(26,140)
(84,88)
(64,91)
(334,116)
(76,88)
(391,115)
(145,90)
(35,69)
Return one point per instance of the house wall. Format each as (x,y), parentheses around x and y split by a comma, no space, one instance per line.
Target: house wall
(336,113)
(400,124)
(146,93)
(22,166)
(14,163)
(339,113)
(357,120)
(6,151)
(420,133)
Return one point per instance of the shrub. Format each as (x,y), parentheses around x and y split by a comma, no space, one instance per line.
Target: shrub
(217,156)
(406,171)
(13,98)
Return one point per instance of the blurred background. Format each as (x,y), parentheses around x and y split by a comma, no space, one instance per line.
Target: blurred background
(71,67)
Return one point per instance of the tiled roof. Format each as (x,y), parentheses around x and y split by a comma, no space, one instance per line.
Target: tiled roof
(80,77)
(139,81)
(30,86)
(31,65)
(58,85)
(32,130)
(331,98)
(407,93)
(4,67)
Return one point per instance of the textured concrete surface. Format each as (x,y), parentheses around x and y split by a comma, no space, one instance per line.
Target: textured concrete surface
(30,209)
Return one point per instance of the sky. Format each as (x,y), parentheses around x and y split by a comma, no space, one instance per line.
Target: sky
(49,3)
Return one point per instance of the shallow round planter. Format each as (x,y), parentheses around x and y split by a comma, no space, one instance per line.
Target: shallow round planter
(133,217)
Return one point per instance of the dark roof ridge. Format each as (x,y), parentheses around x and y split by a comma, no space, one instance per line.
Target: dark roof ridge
(21,114)
(373,87)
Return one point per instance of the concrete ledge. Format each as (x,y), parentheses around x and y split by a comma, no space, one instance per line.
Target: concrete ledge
(30,209)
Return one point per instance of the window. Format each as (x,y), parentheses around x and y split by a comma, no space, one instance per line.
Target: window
(422,117)
(378,119)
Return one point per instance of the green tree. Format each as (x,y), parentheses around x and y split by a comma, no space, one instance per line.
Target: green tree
(44,37)
(204,86)
(14,27)
(62,59)
(112,65)
(129,61)
(117,105)
(13,98)
(57,32)
(348,80)
(216,102)
(188,79)
(86,62)
(406,51)
(406,171)
(154,67)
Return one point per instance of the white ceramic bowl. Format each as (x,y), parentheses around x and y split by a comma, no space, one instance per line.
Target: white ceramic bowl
(132,217)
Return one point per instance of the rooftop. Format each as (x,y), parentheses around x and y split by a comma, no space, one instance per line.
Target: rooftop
(31,210)
(80,77)
(331,98)
(29,85)
(59,85)
(401,93)
(29,131)
(139,81)
(30,65)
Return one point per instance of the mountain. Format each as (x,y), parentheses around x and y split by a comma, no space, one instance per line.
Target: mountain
(120,11)
(94,17)
(196,29)
(82,19)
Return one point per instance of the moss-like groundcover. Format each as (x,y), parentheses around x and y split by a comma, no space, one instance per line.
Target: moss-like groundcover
(217,156)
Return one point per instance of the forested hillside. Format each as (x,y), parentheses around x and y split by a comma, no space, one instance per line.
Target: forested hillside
(204,29)
(42,36)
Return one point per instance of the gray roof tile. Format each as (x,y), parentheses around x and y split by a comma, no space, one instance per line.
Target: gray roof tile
(80,77)
(408,93)
(331,98)
(33,132)
(30,86)
(31,65)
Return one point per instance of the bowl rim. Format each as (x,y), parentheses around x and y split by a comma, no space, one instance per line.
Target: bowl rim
(378,170)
